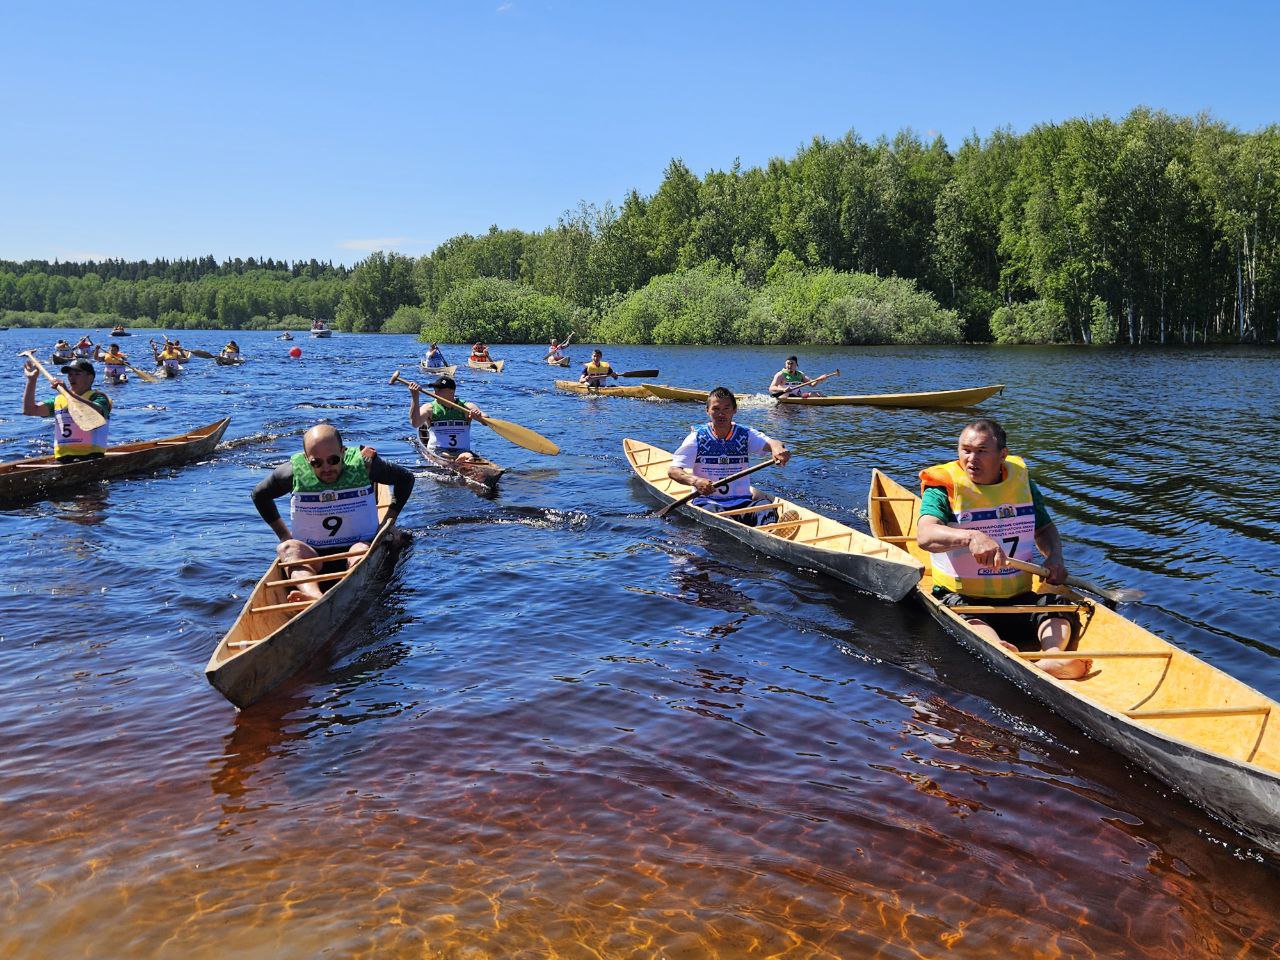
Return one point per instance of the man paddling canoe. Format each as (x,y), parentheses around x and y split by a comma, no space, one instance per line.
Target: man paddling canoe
(974,512)
(114,363)
(718,449)
(788,381)
(334,503)
(70,441)
(556,349)
(444,430)
(480,353)
(171,358)
(231,351)
(435,357)
(597,372)
(62,352)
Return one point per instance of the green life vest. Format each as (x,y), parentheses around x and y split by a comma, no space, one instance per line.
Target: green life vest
(334,514)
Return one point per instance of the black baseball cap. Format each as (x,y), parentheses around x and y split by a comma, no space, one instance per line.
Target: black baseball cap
(443,383)
(79,366)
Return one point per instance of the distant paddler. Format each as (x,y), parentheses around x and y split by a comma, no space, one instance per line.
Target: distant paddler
(480,353)
(71,441)
(62,352)
(171,358)
(445,429)
(790,381)
(231,351)
(718,449)
(114,363)
(597,372)
(435,357)
(975,512)
(333,503)
(556,349)
(84,347)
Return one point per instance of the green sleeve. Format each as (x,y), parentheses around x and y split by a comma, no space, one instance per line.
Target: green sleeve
(1042,512)
(934,503)
(102,403)
(50,403)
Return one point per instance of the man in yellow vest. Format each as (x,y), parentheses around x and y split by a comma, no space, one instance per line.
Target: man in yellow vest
(597,372)
(975,512)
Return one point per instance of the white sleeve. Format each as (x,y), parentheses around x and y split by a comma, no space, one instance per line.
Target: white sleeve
(686,453)
(757,442)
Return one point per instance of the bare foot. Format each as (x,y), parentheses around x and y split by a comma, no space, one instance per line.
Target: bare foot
(1066,669)
(307,591)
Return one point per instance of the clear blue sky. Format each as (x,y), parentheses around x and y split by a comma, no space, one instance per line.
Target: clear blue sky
(295,130)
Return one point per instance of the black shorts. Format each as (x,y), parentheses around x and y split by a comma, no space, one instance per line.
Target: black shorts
(1020,629)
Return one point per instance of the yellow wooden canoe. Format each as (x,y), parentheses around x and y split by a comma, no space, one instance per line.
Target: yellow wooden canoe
(1207,735)
(492,366)
(573,386)
(933,398)
(801,537)
(273,638)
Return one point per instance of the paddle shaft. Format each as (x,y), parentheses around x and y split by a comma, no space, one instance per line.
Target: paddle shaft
(810,383)
(513,432)
(724,481)
(1115,596)
(86,415)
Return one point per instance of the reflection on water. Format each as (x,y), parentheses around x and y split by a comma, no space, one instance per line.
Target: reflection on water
(565,728)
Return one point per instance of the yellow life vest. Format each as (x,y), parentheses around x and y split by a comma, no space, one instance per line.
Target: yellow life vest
(69,439)
(1004,511)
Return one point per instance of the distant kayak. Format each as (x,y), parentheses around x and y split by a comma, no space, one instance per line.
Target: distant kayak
(933,398)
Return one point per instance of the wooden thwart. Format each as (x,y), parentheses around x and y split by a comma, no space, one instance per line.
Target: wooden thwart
(291,605)
(1092,654)
(1021,608)
(770,527)
(1191,712)
(740,510)
(316,578)
(322,559)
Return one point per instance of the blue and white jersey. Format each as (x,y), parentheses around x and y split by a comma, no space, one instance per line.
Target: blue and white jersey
(705,455)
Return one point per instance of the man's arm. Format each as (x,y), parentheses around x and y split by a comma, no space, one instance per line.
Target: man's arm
(1050,545)
(277,484)
(418,416)
(29,406)
(397,477)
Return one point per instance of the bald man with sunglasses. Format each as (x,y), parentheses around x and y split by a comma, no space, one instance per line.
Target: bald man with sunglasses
(333,502)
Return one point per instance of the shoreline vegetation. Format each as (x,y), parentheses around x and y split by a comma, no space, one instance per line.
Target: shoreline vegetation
(1155,229)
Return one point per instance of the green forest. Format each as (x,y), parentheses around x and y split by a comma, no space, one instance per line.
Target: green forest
(1153,229)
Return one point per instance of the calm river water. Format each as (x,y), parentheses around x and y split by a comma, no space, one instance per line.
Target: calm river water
(568,729)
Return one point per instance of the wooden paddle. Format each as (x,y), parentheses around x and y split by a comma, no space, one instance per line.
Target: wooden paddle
(1121,595)
(84,413)
(726,480)
(202,354)
(143,375)
(808,383)
(520,436)
(639,373)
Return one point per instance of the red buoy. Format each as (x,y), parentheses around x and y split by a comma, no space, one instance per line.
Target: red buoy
(295,352)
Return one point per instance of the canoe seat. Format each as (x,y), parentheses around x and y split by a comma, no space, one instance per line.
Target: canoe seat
(771,527)
(315,578)
(741,510)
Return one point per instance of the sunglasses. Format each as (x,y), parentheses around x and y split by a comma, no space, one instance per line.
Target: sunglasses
(332,461)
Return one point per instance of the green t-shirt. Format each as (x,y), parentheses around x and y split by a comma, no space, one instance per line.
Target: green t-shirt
(934,503)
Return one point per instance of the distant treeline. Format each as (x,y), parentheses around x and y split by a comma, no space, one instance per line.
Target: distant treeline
(1151,229)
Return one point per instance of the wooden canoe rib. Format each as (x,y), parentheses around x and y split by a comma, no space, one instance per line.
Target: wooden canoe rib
(480,475)
(448,371)
(492,366)
(22,481)
(812,540)
(274,638)
(1207,735)
(573,386)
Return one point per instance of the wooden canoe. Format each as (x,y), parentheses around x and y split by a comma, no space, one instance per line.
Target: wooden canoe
(480,475)
(229,361)
(491,366)
(573,386)
(448,371)
(562,362)
(1210,737)
(273,639)
(22,481)
(933,398)
(807,540)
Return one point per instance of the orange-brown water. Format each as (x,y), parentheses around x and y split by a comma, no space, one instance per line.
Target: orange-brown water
(565,729)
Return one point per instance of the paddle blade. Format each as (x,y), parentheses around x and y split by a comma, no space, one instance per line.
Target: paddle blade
(204,354)
(639,373)
(143,375)
(522,436)
(85,414)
